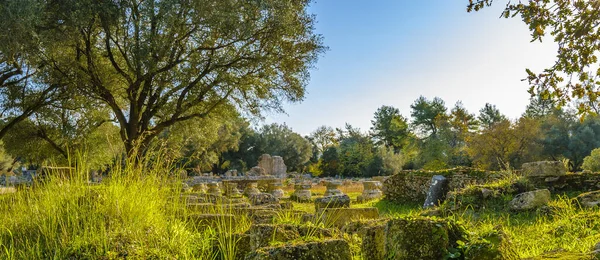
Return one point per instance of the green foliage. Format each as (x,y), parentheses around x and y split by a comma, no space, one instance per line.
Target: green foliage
(489,115)
(390,128)
(330,162)
(126,216)
(157,63)
(273,139)
(505,144)
(567,137)
(592,162)
(428,115)
(197,144)
(571,25)
(322,138)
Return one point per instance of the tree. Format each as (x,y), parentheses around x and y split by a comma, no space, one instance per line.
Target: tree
(539,107)
(461,120)
(273,139)
(157,63)
(29,81)
(357,157)
(428,115)
(282,141)
(505,144)
(390,128)
(564,136)
(330,162)
(573,26)
(197,144)
(489,115)
(592,162)
(322,137)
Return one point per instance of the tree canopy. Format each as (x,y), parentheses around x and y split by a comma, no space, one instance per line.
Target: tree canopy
(573,25)
(157,63)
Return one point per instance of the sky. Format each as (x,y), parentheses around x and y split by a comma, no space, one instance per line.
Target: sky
(390,52)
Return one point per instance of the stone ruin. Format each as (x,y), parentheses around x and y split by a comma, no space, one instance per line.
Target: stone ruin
(371,191)
(273,165)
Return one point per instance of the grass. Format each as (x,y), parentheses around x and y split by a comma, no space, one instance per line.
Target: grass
(137,214)
(131,215)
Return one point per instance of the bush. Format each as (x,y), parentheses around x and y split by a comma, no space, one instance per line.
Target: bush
(592,162)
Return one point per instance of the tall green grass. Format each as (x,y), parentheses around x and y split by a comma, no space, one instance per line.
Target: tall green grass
(136,213)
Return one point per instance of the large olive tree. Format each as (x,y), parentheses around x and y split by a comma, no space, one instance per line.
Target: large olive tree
(156,63)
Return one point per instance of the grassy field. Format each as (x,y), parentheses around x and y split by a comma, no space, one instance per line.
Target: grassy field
(136,214)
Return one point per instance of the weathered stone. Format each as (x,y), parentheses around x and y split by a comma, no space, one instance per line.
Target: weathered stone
(371,191)
(199,187)
(275,189)
(256,171)
(258,199)
(335,249)
(372,233)
(262,234)
(251,189)
(412,186)
(184,187)
(339,201)
(493,246)
(265,161)
(589,199)
(213,188)
(544,168)
(437,191)
(333,188)
(301,192)
(338,217)
(420,238)
(231,173)
(279,169)
(231,190)
(530,200)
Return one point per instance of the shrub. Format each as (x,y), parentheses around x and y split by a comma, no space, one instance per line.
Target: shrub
(592,162)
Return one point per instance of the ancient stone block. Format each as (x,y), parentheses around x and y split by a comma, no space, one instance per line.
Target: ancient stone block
(258,199)
(419,238)
(544,168)
(372,233)
(333,188)
(437,191)
(262,234)
(339,201)
(279,169)
(256,171)
(251,189)
(371,191)
(589,199)
(199,187)
(213,188)
(265,161)
(301,192)
(231,190)
(530,200)
(275,189)
(340,216)
(334,249)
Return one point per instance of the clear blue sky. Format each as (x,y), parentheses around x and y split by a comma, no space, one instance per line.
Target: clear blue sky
(391,52)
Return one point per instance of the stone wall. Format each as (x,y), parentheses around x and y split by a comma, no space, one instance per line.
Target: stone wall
(412,186)
(581,181)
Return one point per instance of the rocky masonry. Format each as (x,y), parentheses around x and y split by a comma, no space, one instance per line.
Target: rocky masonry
(371,191)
